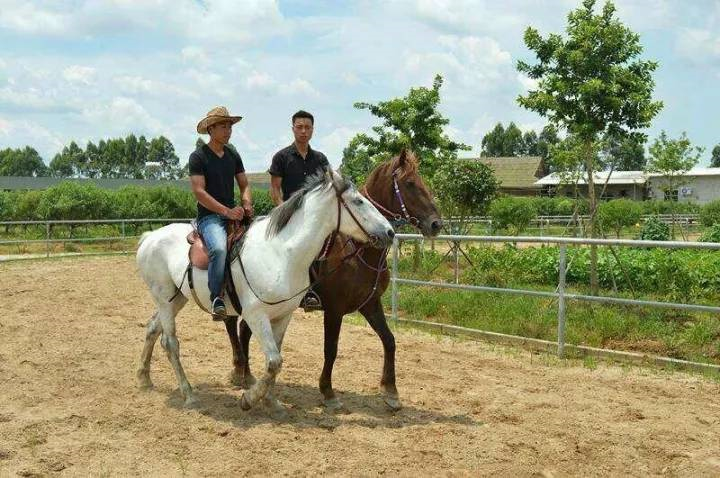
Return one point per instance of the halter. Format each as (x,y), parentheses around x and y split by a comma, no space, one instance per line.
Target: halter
(396,218)
(340,203)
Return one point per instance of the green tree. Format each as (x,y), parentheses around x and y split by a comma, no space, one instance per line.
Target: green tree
(356,161)
(22,162)
(592,84)
(547,139)
(619,213)
(715,160)
(512,214)
(492,143)
(465,188)
(530,143)
(414,122)
(670,159)
(71,162)
(162,153)
(626,153)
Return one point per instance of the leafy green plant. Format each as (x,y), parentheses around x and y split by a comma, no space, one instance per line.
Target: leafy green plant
(655,230)
(710,213)
(512,214)
(711,234)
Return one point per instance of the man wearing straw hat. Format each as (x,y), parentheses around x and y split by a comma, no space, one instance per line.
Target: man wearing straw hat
(214,168)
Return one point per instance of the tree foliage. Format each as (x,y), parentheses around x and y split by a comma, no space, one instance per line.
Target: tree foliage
(715,159)
(414,122)
(22,162)
(464,187)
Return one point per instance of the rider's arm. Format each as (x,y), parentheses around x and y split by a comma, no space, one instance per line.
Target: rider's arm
(276,190)
(245,194)
(197,184)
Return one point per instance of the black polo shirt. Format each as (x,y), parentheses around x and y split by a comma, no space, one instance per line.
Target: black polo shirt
(293,169)
(219,173)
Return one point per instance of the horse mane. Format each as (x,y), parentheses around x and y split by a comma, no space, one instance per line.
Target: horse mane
(409,165)
(280,216)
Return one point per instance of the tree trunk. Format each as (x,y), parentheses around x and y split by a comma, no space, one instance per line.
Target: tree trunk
(589,166)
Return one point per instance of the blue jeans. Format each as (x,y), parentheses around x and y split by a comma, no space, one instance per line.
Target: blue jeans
(212,229)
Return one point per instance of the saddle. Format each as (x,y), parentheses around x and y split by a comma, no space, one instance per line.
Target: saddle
(199,258)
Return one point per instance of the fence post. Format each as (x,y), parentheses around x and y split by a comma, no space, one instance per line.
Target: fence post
(456,247)
(47,239)
(395,253)
(122,229)
(561,302)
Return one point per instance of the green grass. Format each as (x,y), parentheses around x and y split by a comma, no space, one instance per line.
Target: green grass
(693,336)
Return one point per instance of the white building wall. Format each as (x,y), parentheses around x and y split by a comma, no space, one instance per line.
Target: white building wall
(699,189)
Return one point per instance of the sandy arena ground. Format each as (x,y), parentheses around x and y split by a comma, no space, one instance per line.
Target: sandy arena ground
(71,332)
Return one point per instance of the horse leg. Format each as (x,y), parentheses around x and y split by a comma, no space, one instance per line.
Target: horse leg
(166,314)
(260,325)
(375,316)
(245,333)
(152,333)
(277,409)
(332,323)
(240,375)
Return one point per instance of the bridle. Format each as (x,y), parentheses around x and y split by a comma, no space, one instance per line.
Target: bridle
(340,204)
(397,219)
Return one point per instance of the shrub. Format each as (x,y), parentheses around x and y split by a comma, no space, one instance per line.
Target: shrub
(619,213)
(655,230)
(711,234)
(512,214)
(710,213)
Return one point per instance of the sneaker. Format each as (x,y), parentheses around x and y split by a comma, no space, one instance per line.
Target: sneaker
(218,309)
(311,302)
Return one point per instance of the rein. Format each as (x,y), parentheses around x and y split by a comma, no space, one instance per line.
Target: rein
(340,203)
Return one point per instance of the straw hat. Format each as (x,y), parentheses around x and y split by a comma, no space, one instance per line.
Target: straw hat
(218,114)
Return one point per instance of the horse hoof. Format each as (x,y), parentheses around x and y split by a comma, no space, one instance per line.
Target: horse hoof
(393,403)
(144,383)
(192,402)
(334,405)
(242,381)
(279,413)
(244,404)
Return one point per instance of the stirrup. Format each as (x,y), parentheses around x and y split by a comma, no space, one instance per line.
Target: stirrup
(311,302)
(219,312)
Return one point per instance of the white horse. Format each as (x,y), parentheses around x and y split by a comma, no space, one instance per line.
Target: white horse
(276,255)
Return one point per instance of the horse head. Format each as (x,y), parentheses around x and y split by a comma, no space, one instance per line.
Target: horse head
(398,190)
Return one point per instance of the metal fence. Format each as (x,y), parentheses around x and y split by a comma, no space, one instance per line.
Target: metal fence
(561,295)
(48,239)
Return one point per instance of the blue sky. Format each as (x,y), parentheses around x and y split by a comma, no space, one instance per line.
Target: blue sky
(87,70)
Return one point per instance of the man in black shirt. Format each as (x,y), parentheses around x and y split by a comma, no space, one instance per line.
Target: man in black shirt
(214,168)
(290,168)
(292,165)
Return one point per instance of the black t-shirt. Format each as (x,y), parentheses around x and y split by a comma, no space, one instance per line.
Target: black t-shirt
(293,169)
(219,174)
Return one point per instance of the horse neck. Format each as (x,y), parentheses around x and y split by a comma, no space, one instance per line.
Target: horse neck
(378,186)
(305,233)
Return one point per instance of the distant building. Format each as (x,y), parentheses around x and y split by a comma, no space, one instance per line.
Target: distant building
(700,185)
(517,175)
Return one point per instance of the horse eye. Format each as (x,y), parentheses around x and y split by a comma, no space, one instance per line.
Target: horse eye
(410,184)
(358,202)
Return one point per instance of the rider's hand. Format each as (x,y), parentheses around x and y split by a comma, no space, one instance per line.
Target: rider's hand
(249,211)
(236,213)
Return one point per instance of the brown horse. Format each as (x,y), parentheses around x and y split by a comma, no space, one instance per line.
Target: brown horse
(397,191)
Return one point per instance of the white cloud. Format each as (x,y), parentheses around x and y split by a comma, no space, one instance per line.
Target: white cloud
(79,74)
(211,21)
(471,61)
(527,83)
(333,143)
(122,116)
(27,17)
(699,45)
(299,86)
(260,81)
(194,54)
(4,127)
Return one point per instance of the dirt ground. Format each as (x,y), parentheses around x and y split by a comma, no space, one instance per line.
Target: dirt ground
(71,332)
